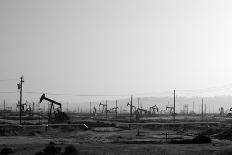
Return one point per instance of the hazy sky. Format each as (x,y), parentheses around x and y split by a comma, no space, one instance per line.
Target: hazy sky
(115,46)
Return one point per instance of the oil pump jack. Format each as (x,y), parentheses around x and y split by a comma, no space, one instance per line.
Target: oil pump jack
(114,110)
(170,109)
(133,107)
(26,108)
(154,109)
(55,114)
(141,111)
(104,108)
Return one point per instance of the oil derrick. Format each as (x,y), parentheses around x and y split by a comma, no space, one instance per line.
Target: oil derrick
(55,114)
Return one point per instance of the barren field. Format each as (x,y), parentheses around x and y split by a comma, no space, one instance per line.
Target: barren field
(113,137)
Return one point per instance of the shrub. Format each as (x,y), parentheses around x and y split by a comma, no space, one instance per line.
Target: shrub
(201,139)
(51,150)
(70,150)
(6,151)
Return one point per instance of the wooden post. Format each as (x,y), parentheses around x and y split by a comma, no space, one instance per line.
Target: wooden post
(20,87)
(4,106)
(205,109)
(116,110)
(174,119)
(138,102)
(130,111)
(193,107)
(106,110)
(202,108)
(90,111)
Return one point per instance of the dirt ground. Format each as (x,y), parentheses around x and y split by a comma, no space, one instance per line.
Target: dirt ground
(109,140)
(31,145)
(106,138)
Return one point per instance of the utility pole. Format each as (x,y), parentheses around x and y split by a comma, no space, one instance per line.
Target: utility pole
(90,108)
(174,119)
(202,108)
(131,110)
(131,106)
(20,88)
(209,109)
(33,107)
(67,107)
(106,110)
(205,109)
(213,108)
(199,109)
(193,107)
(138,102)
(116,110)
(4,106)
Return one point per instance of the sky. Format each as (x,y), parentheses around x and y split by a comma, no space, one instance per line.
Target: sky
(114,47)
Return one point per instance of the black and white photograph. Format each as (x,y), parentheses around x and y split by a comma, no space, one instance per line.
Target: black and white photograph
(115,77)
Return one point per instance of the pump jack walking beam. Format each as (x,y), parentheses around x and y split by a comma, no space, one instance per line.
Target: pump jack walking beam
(52,102)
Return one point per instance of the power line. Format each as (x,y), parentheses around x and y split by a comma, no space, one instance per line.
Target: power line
(215,88)
(153,93)
(8,92)
(3,80)
(165,93)
(68,94)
